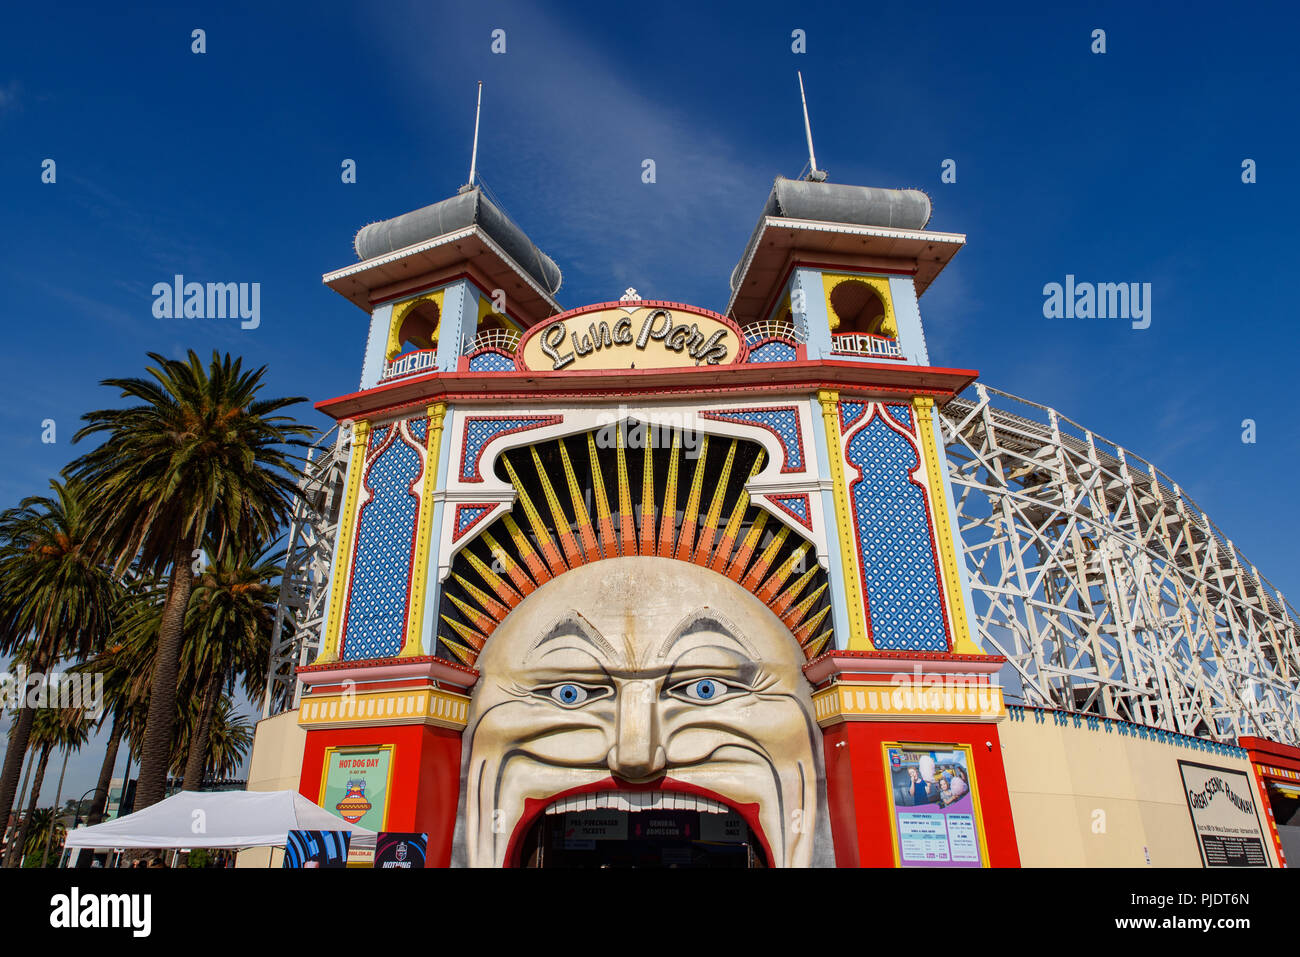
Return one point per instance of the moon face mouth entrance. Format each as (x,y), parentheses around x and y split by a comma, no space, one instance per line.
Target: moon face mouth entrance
(640,829)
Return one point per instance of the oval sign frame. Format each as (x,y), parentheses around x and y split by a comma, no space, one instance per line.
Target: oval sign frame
(670,329)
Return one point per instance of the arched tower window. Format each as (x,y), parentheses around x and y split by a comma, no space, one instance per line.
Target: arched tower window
(414,325)
(856,307)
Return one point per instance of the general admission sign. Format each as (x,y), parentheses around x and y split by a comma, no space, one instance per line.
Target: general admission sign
(634,335)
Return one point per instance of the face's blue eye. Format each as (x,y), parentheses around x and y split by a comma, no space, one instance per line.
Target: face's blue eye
(569,694)
(706,689)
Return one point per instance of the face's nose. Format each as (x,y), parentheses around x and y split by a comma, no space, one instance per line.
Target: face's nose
(637,754)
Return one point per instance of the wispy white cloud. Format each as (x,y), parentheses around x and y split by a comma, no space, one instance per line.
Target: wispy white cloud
(567,126)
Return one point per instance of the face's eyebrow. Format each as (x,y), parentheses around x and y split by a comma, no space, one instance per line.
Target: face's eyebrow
(705,619)
(572,624)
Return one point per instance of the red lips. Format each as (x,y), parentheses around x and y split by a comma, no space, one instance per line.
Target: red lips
(533,807)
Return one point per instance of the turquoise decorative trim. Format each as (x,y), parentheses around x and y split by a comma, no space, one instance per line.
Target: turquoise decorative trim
(1094,722)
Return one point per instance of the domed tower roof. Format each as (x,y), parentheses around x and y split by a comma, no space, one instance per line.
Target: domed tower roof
(470,208)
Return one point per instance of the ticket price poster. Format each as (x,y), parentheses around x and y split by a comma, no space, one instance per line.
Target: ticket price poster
(934,807)
(356,785)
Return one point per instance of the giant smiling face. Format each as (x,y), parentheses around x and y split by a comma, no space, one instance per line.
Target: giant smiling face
(641,674)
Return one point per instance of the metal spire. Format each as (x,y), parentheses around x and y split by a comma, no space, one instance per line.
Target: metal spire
(473,156)
(815,175)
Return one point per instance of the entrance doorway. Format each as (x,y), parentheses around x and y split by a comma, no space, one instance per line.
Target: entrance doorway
(617,839)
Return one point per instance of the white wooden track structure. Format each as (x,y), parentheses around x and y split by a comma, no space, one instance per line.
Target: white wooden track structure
(1106,587)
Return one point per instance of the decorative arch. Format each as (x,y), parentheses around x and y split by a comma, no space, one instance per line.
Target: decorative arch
(885,324)
(400,313)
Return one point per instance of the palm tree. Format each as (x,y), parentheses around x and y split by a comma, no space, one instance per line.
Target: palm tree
(44,825)
(52,729)
(230,735)
(201,453)
(55,599)
(228,634)
(125,668)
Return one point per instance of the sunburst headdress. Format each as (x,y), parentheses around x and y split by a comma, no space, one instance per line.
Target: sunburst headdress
(548,533)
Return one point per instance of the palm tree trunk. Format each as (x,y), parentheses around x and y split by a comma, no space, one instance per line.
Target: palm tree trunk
(100,801)
(12,832)
(54,813)
(17,749)
(196,761)
(155,751)
(15,856)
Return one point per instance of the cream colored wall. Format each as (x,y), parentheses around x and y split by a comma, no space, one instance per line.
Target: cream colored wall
(276,765)
(1060,777)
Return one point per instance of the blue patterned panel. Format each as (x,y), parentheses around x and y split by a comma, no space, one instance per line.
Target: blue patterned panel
(902,414)
(381,572)
(466,516)
(899,571)
(491,362)
(782,422)
(419,429)
(480,431)
(773,351)
(796,505)
(850,412)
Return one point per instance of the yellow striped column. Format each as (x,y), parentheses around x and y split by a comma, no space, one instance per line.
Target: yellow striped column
(830,402)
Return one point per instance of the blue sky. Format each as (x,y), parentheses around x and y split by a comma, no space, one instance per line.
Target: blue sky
(225,166)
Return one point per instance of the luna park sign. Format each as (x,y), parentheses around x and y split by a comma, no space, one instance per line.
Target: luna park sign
(631,337)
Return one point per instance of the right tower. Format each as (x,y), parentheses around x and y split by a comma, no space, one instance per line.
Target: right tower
(832,276)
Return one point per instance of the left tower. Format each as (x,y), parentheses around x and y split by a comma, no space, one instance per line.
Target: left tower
(448,288)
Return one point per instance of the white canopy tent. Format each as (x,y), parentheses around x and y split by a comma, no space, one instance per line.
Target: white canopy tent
(217,819)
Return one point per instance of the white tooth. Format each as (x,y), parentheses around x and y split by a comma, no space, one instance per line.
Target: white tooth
(623,803)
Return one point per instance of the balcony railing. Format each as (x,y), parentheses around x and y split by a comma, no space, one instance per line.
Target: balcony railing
(864,344)
(504,339)
(413,362)
(757,332)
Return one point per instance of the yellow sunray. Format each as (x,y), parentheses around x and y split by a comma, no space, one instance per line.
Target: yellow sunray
(472,637)
(783,598)
(778,577)
(499,585)
(522,582)
(669,518)
(691,516)
(591,550)
(626,520)
(571,551)
(608,541)
(538,524)
(648,497)
(536,567)
(740,561)
(709,527)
